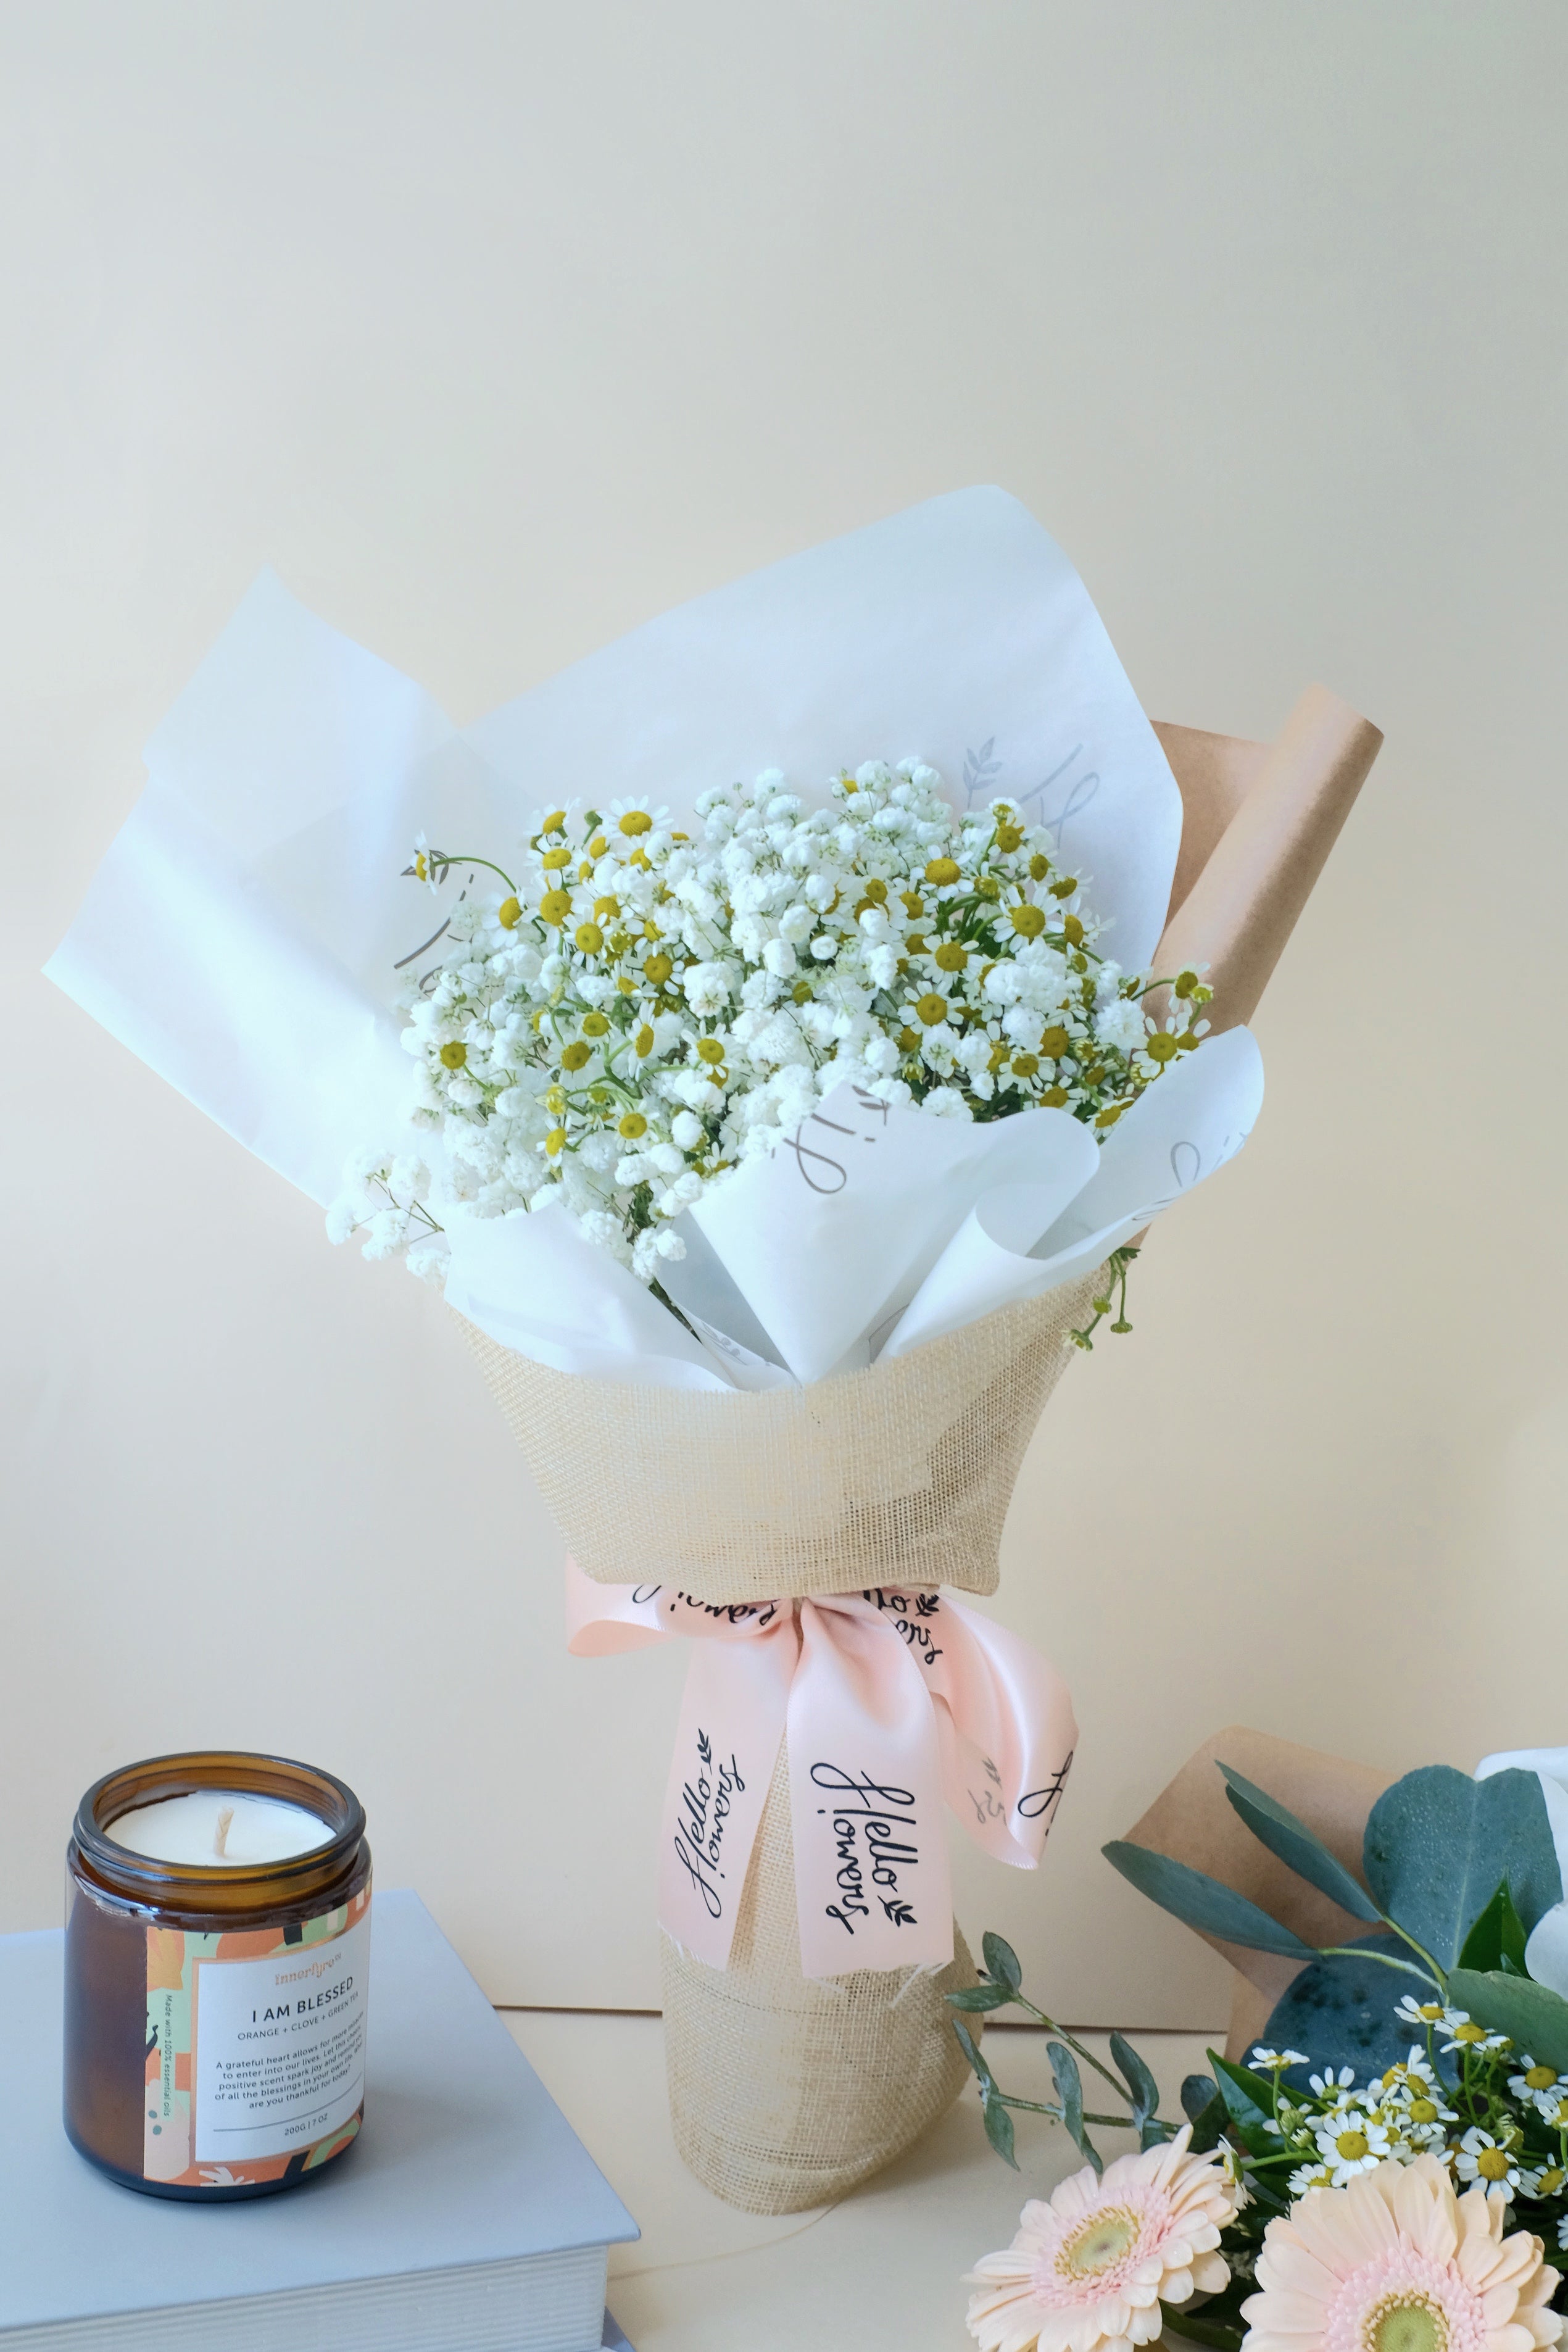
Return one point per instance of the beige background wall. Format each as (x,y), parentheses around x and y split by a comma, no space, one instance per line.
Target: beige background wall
(499,328)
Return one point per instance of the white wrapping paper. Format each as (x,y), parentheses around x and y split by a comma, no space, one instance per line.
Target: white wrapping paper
(243,934)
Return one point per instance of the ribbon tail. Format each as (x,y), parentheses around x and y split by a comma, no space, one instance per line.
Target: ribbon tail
(872,1882)
(1006,1725)
(726,1744)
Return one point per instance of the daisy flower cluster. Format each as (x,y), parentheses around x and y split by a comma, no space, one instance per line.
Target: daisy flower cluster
(637,1012)
(1495,2117)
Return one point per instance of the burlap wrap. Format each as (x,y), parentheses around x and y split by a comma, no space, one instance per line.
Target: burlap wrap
(785,2091)
(901,1474)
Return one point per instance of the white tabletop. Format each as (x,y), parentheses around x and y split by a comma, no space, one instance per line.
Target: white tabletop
(881,2270)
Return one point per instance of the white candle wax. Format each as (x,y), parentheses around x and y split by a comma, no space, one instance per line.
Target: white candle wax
(191,1828)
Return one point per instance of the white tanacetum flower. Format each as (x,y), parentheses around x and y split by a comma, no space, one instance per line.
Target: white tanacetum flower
(1537,2084)
(1351,2142)
(1466,2034)
(1274,2062)
(1328,2083)
(1482,2157)
(1411,2012)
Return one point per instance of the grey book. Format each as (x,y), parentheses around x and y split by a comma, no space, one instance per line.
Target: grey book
(468,2217)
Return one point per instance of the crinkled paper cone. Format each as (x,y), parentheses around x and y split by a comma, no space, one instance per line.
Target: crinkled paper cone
(786,2092)
(901,1474)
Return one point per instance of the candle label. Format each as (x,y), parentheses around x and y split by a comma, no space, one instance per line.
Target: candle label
(256,2049)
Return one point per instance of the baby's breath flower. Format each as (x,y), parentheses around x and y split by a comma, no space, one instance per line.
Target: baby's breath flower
(637,1013)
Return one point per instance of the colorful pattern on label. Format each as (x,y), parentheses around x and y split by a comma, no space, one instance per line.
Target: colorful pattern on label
(256,2049)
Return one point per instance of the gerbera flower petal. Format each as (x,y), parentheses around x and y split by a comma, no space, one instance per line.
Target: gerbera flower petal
(1089,2269)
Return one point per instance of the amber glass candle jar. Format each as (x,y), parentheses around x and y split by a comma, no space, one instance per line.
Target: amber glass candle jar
(218,1952)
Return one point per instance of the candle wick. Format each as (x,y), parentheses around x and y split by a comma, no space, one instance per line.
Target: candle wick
(225,1823)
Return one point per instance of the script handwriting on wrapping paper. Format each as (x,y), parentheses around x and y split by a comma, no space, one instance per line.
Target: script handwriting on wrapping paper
(823,1147)
(875,1834)
(913,1629)
(705,1817)
(1036,1805)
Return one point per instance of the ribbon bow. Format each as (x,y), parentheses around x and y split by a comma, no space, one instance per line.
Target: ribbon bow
(891,1701)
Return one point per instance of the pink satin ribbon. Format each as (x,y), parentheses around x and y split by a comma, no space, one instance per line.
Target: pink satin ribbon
(893,1701)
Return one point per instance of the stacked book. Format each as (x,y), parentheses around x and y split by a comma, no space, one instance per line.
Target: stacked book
(468,2217)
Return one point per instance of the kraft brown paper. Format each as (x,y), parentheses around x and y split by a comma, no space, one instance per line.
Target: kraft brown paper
(1194,1822)
(784,2092)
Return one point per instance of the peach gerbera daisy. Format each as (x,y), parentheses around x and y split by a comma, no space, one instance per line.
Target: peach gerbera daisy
(1087,2271)
(1394,2261)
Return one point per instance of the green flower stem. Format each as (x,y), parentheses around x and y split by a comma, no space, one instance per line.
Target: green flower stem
(1384,1959)
(1076,2047)
(1043,2107)
(489,864)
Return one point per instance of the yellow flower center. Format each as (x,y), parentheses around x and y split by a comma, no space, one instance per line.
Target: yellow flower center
(1492,2164)
(1541,2078)
(633,1126)
(1431,2010)
(658,969)
(709,1050)
(1405,2323)
(554,1143)
(556,1100)
(554,857)
(1053,1041)
(1551,2180)
(643,1042)
(1053,1097)
(1103,2239)
(554,822)
(508,913)
(1025,1066)
(634,822)
(1351,2146)
(1422,2111)
(574,1056)
(1030,921)
(951,957)
(598,846)
(932,1009)
(556,906)
(1009,838)
(594,1025)
(454,1055)
(1467,2032)
(913,903)
(422,865)
(1162,1046)
(590,937)
(942,871)
(1038,867)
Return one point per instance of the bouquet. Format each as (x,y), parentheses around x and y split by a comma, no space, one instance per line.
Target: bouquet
(777,1143)
(1432,2084)
(642,1013)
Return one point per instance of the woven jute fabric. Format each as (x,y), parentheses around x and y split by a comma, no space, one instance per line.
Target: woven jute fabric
(901,1474)
(786,2092)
